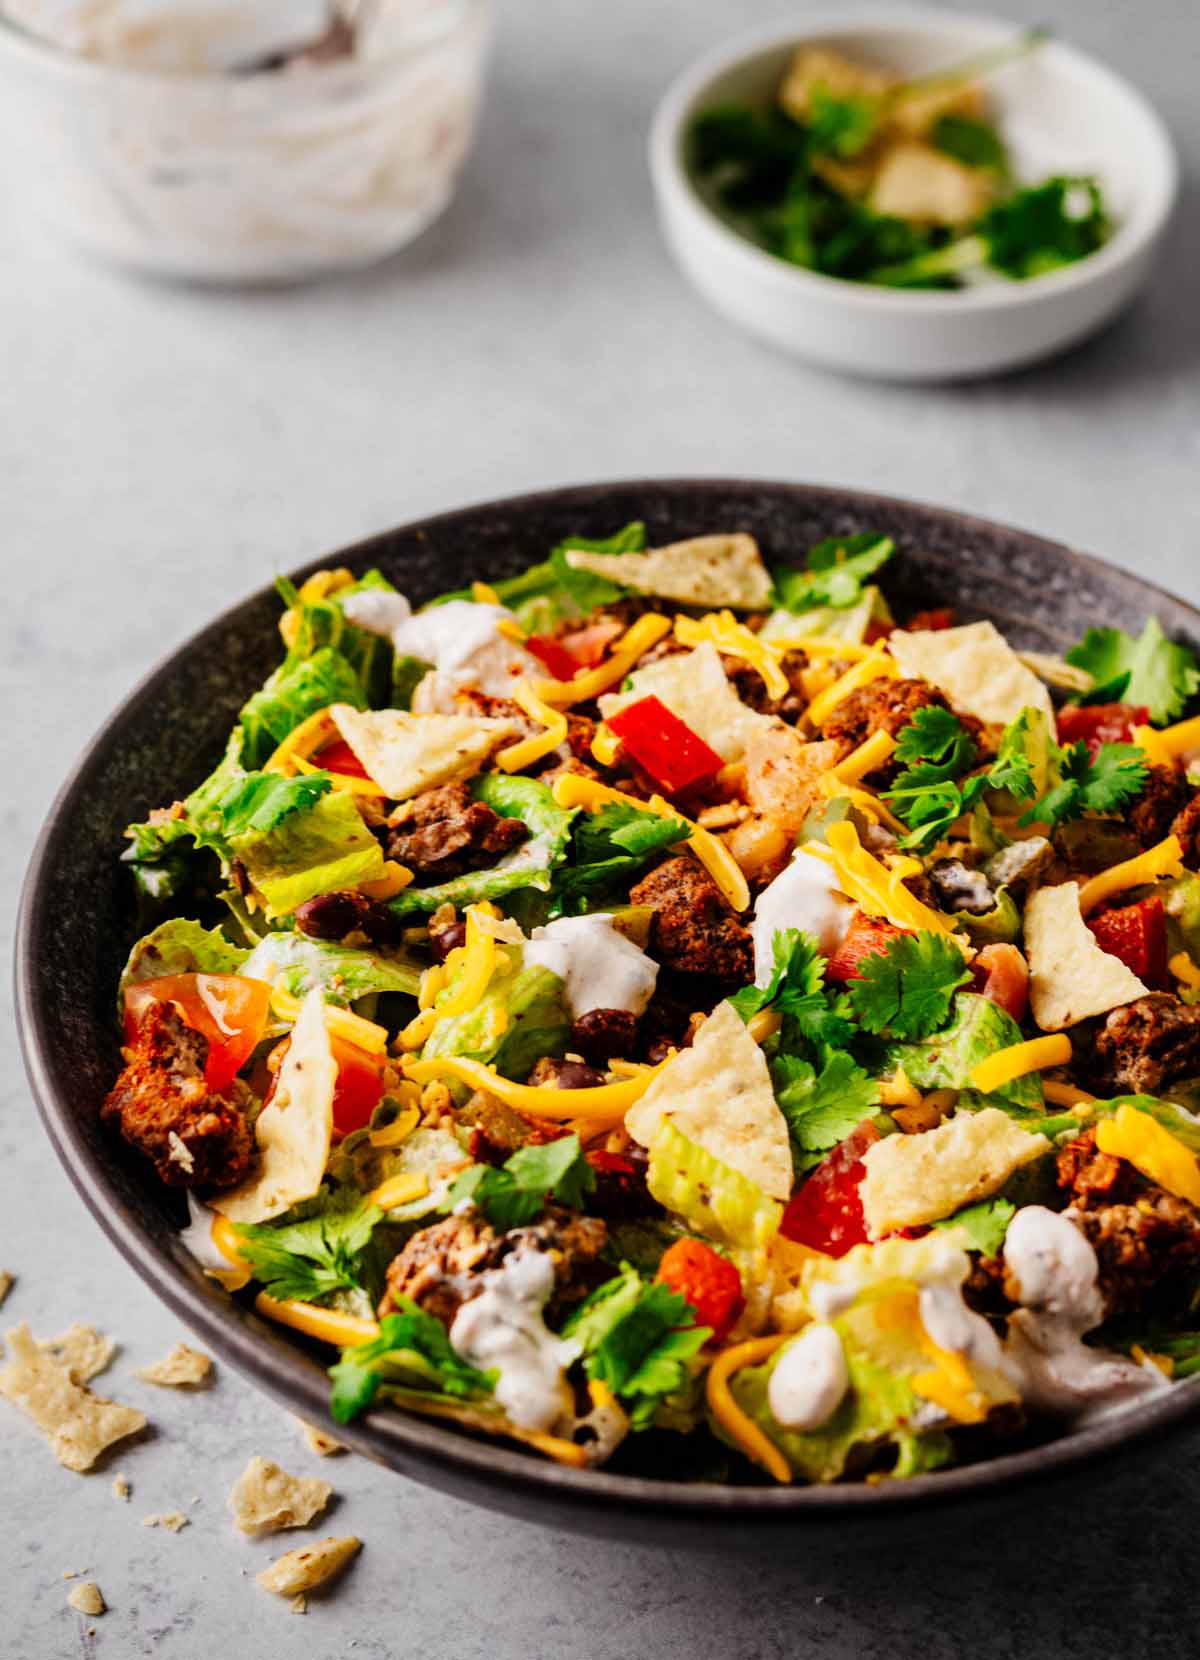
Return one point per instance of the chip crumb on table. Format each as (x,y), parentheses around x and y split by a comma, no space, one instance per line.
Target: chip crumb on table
(266,1499)
(299,1604)
(120,1486)
(316,1439)
(183,1368)
(311,1565)
(87,1598)
(79,1426)
(7,1281)
(84,1351)
(173,1520)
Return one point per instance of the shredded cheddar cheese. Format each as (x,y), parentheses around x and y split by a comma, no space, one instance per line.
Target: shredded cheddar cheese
(570,790)
(647,631)
(477,958)
(1154,745)
(876,889)
(225,1240)
(1065,1095)
(994,1071)
(1151,1148)
(826,645)
(876,665)
(1184,969)
(948,1383)
(899,1090)
(1164,859)
(399,1130)
(764,1025)
(350,782)
(528,750)
(342,1023)
(1180,738)
(344,1331)
(872,808)
(395,876)
(722,629)
(607,1101)
(606,746)
(400,1190)
(484,594)
(303,740)
(741,1430)
(875,752)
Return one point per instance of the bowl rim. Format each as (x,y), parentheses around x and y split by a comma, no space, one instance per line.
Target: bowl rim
(407,1442)
(677,191)
(37,51)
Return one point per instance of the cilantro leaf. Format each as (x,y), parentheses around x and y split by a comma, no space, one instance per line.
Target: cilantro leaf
(1045,226)
(411,1344)
(985,1224)
(931,792)
(797,991)
(311,1259)
(823,1107)
(261,800)
(1157,674)
(1012,769)
(1102,783)
(935,737)
(908,990)
(517,1191)
(837,568)
(637,1339)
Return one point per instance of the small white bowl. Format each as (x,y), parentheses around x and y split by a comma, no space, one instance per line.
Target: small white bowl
(1060,112)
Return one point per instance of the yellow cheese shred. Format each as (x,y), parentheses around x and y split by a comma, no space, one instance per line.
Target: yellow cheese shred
(1155,746)
(1184,969)
(740,1429)
(1164,859)
(347,781)
(402,1126)
(342,1023)
(722,629)
(875,752)
(303,740)
(1065,1095)
(876,889)
(876,665)
(994,1071)
(225,1239)
(328,1325)
(528,750)
(1151,1148)
(606,746)
(647,631)
(400,1190)
(484,594)
(477,958)
(571,790)
(878,812)
(948,1383)
(826,645)
(1180,738)
(395,876)
(608,1101)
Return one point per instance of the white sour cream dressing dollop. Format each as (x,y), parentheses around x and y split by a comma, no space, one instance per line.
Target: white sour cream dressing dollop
(468,652)
(803,895)
(599,967)
(809,1381)
(502,1329)
(1056,1276)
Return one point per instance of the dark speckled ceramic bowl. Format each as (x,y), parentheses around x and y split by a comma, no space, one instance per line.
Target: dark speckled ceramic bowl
(77,923)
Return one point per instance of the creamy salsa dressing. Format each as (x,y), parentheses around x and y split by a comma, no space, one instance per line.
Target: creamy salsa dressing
(810,1379)
(460,640)
(804,895)
(599,967)
(502,1329)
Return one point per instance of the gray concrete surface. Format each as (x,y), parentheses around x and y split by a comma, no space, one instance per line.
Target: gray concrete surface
(164,451)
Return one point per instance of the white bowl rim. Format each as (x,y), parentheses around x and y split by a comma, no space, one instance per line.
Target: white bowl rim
(1130,239)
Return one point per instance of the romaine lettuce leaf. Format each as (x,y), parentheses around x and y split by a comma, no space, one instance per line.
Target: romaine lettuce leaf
(318,851)
(551,592)
(711,1197)
(527,866)
(946,1059)
(180,947)
(344,972)
(608,851)
(296,690)
(521,1017)
(436,1154)
(323,622)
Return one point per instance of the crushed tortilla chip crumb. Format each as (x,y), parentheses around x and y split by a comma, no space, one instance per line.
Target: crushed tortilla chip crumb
(6,1284)
(87,1598)
(180,1369)
(299,1605)
(79,1425)
(316,1439)
(266,1499)
(121,1488)
(173,1520)
(310,1566)
(178,1152)
(84,1351)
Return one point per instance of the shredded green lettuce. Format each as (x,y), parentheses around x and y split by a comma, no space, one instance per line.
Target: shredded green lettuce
(180,947)
(711,1197)
(946,1059)
(412,1347)
(344,972)
(324,849)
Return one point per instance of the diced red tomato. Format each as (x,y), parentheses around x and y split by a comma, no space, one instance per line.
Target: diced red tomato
(867,936)
(339,757)
(612,1164)
(1001,974)
(228,1010)
(825,1213)
(359,1087)
(1099,723)
(1137,934)
(663,746)
(877,629)
(709,1281)
(941,616)
(553,655)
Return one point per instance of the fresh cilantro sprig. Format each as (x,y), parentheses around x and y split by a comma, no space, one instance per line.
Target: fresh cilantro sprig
(908,990)
(1150,672)
(821,1107)
(411,1345)
(837,569)
(811,1013)
(637,1339)
(311,1259)
(516,1192)
(935,751)
(985,1224)
(1100,783)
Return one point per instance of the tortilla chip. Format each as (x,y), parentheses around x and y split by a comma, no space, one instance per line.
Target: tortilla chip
(181,1368)
(87,1598)
(304,1569)
(405,753)
(718,1093)
(79,1425)
(294,1129)
(266,1499)
(977,669)
(694,686)
(706,570)
(316,1440)
(1070,977)
(84,1351)
(914,1179)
